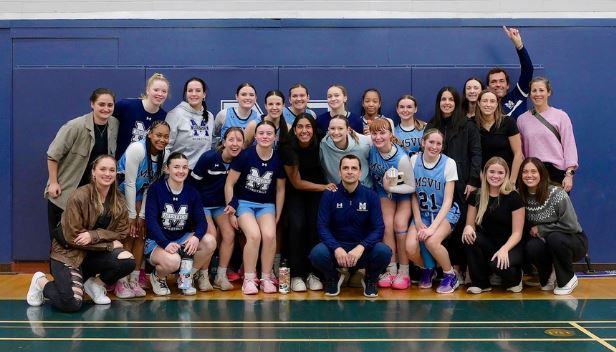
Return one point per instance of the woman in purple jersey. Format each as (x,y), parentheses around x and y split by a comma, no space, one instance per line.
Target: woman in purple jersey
(254,192)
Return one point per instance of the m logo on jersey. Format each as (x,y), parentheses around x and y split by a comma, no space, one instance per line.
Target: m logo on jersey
(199,131)
(362,206)
(139,132)
(338,205)
(257,183)
(174,220)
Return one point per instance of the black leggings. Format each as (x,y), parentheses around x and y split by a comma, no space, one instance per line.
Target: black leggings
(65,293)
(301,236)
(54,215)
(479,254)
(557,249)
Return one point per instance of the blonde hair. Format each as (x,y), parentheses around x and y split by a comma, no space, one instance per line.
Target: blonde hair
(117,205)
(430,132)
(484,192)
(384,125)
(153,78)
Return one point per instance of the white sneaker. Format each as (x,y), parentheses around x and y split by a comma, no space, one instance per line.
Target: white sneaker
(568,288)
(297,284)
(516,289)
(97,292)
(222,282)
(551,284)
(478,290)
(159,285)
(203,282)
(314,283)
(35,293)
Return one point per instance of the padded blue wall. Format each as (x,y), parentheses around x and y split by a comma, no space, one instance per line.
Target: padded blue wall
(54,65)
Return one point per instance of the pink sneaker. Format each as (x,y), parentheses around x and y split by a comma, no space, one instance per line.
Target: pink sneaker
(137,289)
(123,289)
(385,280)
(250,287)
(268,286)
(144,282)
(401,282)
(232,275)
(274,279)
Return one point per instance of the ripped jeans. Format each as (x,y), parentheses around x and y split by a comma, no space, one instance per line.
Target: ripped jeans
(65,293)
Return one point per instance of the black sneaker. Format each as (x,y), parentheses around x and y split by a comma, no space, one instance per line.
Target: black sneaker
(370,289)
(332,287)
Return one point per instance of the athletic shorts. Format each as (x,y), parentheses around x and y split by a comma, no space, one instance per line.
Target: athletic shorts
(256,209)
(214,212)
(150,245)
(453,216)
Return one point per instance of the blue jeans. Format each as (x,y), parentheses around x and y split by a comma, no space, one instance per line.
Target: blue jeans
(374,261)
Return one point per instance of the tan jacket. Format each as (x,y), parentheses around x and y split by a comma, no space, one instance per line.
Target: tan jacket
(71,150)
(80,215)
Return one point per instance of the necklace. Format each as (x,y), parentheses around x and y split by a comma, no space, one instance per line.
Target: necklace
(98,129)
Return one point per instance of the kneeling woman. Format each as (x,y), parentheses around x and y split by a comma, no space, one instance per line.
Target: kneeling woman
(493,231)
(176,226)
(258,198)
(87,247)
(557,239)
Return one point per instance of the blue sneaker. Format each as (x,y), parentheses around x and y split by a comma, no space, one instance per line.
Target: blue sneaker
(332,286)
(427,275)
(449,283)
(370,289)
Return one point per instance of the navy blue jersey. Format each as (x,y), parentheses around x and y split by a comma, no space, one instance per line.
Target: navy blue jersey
(134,122)
(514,102)
(257,181)
(355,122)
(169,216)
(210,174)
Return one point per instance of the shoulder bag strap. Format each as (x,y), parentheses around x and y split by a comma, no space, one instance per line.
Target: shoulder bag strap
(545,122)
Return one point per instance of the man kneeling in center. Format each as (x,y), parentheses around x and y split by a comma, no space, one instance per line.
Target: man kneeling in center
(350,225)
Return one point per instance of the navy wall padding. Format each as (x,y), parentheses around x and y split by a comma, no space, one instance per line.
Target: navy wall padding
(53,66)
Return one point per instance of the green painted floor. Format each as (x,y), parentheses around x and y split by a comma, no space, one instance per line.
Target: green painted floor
(313,325)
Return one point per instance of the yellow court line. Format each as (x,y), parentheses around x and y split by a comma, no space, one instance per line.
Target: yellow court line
(278,322)
(99,339)
(593,336)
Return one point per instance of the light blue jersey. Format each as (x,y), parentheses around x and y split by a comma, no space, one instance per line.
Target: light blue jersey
(289,116)
(430,186)
(232,120)
(378,166)
(144,178)
(411,139)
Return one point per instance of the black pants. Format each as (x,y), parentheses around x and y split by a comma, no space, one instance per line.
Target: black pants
(54,215)
(556,175)
(301,236)
(557,249)
(65,293)
(479,265)
(453,243)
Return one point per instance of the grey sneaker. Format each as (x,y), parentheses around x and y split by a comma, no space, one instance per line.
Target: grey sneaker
(159,285)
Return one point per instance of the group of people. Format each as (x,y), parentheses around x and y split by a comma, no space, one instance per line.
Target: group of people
(335,194)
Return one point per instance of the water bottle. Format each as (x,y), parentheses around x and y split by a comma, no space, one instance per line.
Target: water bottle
(184,277)
(284,277)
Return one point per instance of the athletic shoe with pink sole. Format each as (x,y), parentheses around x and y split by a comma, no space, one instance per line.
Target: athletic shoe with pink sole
(250,287)
(385,280)
(401,282)
(268,286)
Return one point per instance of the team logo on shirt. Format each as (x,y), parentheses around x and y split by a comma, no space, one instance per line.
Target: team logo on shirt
(258,183)
(510,104)
(174,220)
(362,206)
(338,205)
(139,132)
(199,131)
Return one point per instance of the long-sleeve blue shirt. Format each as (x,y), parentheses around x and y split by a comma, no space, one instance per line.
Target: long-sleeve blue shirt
(348,219)
(169,216)
(514,103)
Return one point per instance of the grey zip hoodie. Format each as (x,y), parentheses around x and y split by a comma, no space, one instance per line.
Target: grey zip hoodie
(330,157)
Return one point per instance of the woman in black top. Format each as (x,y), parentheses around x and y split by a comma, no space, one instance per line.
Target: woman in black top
(306,183)
(494,225)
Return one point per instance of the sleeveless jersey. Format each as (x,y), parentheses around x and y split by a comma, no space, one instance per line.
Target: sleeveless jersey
(232,120)
(289,116)
(378,165)
(430,185)
(144,179)
(411,140)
